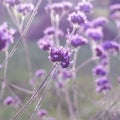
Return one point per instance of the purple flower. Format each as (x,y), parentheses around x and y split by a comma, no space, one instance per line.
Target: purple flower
(12,2)
(94,34)
(45,43)
(66,5)
(99,22)
(42,113)
(51,31)
(77,18)
(61,55)
(67,74)
(84,7)
(115,11)
(9,100)
(77,40)
(111,47)
(6,36)
(39,73)
(100,51)
(25,8)
(12,101)
(99,70)
(59,8)
(102,84)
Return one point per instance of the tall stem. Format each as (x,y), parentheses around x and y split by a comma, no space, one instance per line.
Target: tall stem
(34,95)
(5,74)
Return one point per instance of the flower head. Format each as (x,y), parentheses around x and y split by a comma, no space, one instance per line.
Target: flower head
(42,113)
(6,36)
(84,7)
(77,41)
(94,34)
(25,8)
(102,84)
(77,18)
(100,70)
(99,22)
(45,43)
(12,2)
(62,55)
(111,47)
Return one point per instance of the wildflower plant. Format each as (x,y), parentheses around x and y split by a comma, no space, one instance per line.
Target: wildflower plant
(62,46)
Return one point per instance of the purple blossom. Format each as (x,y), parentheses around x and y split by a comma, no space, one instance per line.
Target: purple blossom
(59,8)
(77,41)
(115,11)
(100,70)
(45,43)
(12,101)
(42,113)
(61,55)
(99,22)
(9,100)
(66,5)
(6,36)
(39,73)
(12,2)
(51,31)
(102,84)
(77,18)
(25,8)
(111,47)
(94,34)
(84,6)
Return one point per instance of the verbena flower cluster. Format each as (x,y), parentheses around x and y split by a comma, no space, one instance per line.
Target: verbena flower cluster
(62,46)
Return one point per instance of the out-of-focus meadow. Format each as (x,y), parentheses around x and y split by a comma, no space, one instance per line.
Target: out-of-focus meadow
(90,102)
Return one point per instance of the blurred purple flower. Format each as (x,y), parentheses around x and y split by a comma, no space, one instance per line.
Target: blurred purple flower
(102,84)
(25,8)
(45,43)
(6,36)
(77,41)
(77,18)
(111,47)
(12,2)
(99,22)
(42,113)
(100,70)
(39,73)
(84,6)
(94,34)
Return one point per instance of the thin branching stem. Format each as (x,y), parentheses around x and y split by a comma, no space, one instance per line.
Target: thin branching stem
(34,95)
(23,34)
(49,83)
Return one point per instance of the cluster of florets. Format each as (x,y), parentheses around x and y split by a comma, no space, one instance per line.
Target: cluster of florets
(103,84)
(94,34)
(108,48)
(62,55)
(6,36)
(84,6)
(12,101)
(115,11)
(77,18)
(23,8)
(45,43)
(12,2)
(78,41)
(103,52)
(59,8)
